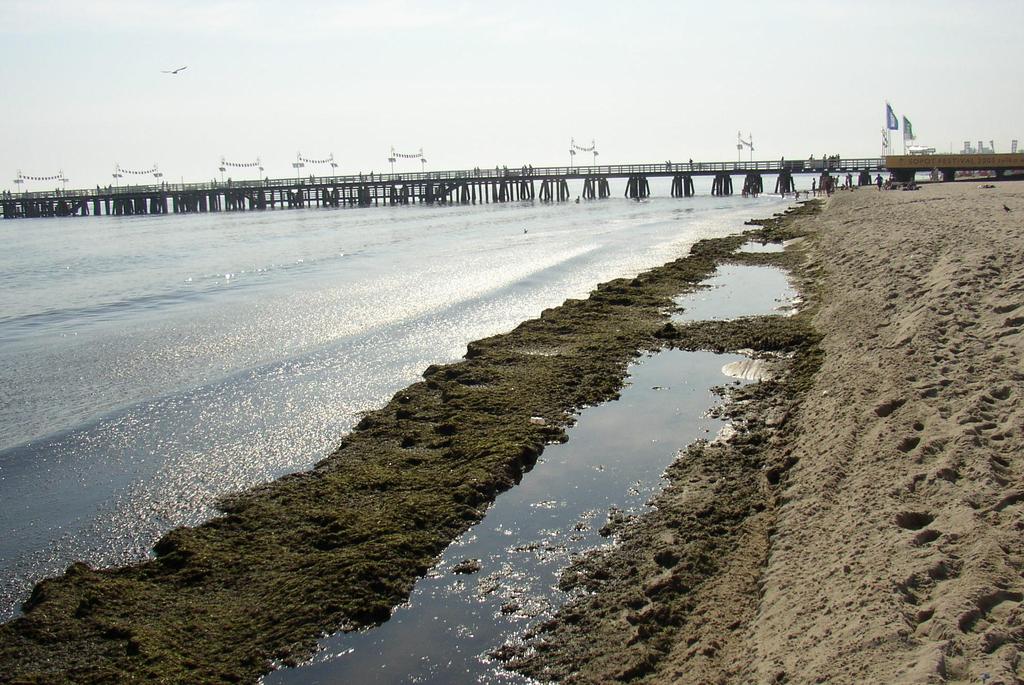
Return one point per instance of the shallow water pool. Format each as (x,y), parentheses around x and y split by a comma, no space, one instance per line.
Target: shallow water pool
(738,290)
(615,457)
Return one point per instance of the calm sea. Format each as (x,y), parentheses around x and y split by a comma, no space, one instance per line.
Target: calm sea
(150,364)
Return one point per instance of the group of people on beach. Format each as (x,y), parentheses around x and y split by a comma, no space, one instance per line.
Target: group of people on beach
(828,184)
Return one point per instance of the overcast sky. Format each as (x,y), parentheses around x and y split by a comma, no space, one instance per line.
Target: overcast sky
(482,83)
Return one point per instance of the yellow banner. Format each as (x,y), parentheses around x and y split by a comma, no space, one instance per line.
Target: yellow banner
(997,161)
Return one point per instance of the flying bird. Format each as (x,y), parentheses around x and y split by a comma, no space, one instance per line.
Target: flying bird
(174,71)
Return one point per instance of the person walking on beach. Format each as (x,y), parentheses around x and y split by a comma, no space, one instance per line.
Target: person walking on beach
(878,181)
(814,188)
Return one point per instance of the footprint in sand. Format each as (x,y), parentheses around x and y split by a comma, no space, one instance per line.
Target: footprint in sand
(888,407)
(1005,308)
(1001,393)
(926,536)
(1009,501)
(908,443)
(983,606)
(913,520)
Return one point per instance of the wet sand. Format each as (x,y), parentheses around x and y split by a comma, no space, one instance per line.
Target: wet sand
(864,524)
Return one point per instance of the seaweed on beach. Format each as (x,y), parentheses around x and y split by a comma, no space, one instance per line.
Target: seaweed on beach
(337,547)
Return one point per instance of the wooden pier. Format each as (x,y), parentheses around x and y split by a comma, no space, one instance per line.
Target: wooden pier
(471,186)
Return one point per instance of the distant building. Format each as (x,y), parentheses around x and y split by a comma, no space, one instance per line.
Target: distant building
(920,150)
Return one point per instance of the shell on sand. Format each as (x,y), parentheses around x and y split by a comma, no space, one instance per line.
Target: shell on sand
(748,370)
(724,435)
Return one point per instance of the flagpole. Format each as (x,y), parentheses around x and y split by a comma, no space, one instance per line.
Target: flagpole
(888,134)
(889,116)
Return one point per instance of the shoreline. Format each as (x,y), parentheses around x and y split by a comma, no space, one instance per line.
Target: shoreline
(871,527)
(682,577)
(337,547)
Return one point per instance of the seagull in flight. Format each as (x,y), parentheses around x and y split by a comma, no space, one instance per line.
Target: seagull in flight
(174,71)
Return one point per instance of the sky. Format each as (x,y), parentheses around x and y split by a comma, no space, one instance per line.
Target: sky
(480,83)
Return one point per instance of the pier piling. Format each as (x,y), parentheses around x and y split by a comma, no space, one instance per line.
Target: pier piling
(784,184)
(722,185)
(753,184)
(637,187)
(682,185)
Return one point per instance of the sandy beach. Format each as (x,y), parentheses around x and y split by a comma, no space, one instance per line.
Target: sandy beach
(873,511)
(899,554)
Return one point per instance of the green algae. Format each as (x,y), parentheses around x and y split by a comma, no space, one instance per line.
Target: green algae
(338,546)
